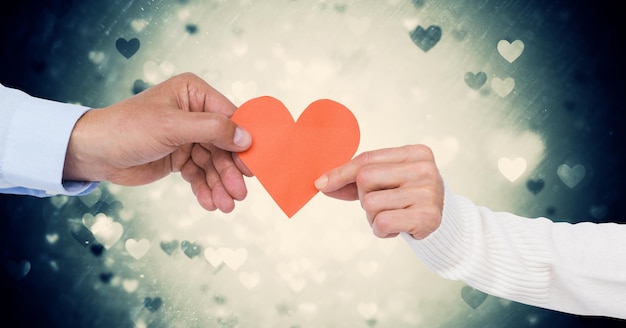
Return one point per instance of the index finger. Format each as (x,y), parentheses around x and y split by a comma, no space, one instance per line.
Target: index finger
(343,175)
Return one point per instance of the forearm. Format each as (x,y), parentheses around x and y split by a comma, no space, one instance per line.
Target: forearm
(574,268)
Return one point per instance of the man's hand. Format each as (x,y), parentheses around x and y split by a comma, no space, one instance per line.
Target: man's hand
(400,189)
(180,125)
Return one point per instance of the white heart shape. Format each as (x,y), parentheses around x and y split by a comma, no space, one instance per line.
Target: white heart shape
(96,57)
(502,86)
(234,259)
(130,285)
(410,24)
(138,24)
(510,51)
(52,238)
(106,231)
(137,249)
(249,279)
(213,256)
(512,169)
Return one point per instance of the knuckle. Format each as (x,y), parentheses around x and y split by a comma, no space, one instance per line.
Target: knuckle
(428,220)
(421,151)
(228,170)
(369,202)
(378,234)
(425,169)
(362,177)
(384,222)
(200,156)
(365,175)
(364,158)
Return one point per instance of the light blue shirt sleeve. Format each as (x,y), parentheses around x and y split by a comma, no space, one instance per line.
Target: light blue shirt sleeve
(34,134)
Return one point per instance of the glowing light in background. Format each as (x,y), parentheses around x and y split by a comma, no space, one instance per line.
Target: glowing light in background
(481,83)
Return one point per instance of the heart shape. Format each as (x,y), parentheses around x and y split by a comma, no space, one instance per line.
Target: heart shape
(502,86)
(139,86)
(249,279)
(475,81)
(425,39)
(233,258)
(288,156)
(512,168)
(105,229)
(152,304)
(535,186)
(473,297)
(18,270)
(190,249)
(127,47)
(571,176)
(169,247)
(510,50)
(137,249)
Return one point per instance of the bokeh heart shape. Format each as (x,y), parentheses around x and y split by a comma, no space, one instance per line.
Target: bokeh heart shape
(287,156)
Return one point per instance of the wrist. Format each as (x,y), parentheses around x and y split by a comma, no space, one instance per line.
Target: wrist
(79,166)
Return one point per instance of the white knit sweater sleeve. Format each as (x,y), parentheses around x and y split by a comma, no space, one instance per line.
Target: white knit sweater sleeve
(575,268)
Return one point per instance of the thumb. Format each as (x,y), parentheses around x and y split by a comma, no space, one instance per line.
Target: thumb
(210,128)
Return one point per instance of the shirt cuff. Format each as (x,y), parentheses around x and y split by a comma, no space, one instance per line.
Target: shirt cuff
(36,144)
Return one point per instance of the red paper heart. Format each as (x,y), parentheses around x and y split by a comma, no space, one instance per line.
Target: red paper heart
(286,156)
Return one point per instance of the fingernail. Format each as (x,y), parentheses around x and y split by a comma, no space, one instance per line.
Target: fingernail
(242,138)
(321,182)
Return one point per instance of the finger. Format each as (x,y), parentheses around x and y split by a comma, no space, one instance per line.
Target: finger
(394,175)
(345,174)
(179,157)
(418,222)
(231,176)
(338,178)
(419,219)
(375,202)
(388,199)
(196,178)
(221,198)
(390,223)
(241,165)
(347,192)
(206,128)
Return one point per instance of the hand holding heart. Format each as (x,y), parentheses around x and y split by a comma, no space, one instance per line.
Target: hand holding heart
(180,125)
(400,189)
